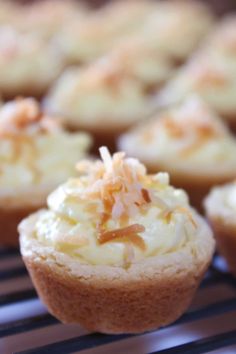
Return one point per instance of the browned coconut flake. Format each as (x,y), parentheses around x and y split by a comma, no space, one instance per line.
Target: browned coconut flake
(146,195)
(168,214)
(127,233)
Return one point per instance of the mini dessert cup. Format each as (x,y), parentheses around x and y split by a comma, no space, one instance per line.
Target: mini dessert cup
(8,12)
(127,251)
(210,73)
(190,142)
(46,17)
(174,28)
(220,206)
(36,156)
(110,95)
(221,47)
(28,64)
(177,28)
(84,41)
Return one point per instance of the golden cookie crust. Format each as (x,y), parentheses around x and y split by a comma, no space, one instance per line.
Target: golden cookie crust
(111,299)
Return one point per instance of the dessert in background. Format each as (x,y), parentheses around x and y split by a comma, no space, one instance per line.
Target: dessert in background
(111,94)
(190,142)
(125,248)
(8,11)
(222,41)
(40,38)
(36,155)
(173,28)
(96,34)
(28,64)
(211,73)
(46,17)
(177,28)
(220,206)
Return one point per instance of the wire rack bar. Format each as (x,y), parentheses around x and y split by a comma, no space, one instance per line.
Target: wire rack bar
(11,273)
(17,296)
(201,346)
(93,340)
(28,324)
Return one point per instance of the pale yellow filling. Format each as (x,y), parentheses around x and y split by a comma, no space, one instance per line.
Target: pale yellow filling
(116,214)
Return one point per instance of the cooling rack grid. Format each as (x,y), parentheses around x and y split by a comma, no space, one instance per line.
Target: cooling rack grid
(26,327)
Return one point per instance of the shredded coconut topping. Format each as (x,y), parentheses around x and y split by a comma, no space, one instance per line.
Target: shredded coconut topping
(129,231)
(122,186)
(24,116)
(118,183)
(115,213)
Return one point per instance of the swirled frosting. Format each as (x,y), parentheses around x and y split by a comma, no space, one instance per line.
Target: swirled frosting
(114,213)
(34,149)
(188,138)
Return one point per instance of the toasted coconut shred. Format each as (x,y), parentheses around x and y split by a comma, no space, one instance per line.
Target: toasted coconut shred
(118,183)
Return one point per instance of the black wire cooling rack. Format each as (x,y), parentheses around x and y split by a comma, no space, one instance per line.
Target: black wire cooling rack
(26,327)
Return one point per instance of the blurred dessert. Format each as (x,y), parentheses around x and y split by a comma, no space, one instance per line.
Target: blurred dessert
(220,206)
(125,248)
(211,73)
(190,142)
(96,34)
(28,64)
(173,28)
(36,156)
(111,94)
(178,27)
(47,17)
(8,11)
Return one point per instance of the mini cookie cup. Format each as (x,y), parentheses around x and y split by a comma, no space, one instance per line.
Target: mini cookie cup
(225,234)
(223,224)
(149,294)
